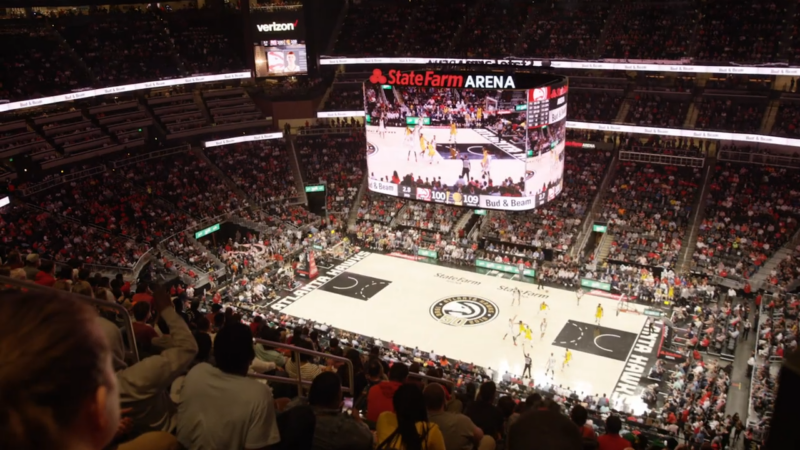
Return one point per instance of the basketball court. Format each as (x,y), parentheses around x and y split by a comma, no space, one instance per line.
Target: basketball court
(464,315)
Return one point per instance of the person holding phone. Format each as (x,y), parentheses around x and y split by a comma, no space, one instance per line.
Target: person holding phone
(335,429)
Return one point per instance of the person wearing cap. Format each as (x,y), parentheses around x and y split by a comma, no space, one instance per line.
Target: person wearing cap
(31,266)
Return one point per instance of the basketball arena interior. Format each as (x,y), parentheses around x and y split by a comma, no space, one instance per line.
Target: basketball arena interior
(399,224)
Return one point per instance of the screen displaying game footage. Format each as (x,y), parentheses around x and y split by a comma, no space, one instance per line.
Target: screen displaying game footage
(466,139)
(277,58)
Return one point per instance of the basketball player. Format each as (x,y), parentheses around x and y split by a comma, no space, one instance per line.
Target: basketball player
(543,327)
(453,153)
(522,327)
(543,307)
(382,130)
(453,132)
(599,313)
(551,365)
(422,144)
(516,295)
(579,294)
(480,115)
(511,332)
(567,358)
(432,149)
(528,362)
(409,142)
(485,163)
(528,333)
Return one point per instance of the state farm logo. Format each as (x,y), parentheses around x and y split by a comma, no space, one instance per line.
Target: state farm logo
(377,77)
(274,26)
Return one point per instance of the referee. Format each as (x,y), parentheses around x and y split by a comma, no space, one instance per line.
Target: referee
(465,170)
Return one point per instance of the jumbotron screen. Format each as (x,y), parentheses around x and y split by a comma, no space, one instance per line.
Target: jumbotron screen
(482,140)
(279,46)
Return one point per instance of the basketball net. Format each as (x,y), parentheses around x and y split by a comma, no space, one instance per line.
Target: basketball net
(624,306)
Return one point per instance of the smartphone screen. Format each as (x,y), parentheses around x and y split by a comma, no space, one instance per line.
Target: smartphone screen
(348,405)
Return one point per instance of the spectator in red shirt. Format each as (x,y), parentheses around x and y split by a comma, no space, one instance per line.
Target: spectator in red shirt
(579,416)
(612,440)
(142,331)
(379,398)
(255,325)
(46,273)
(142,295)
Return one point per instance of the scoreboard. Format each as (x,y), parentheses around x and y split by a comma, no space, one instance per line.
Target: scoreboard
(545,105)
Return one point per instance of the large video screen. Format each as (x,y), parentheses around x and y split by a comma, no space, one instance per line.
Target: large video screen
(491,141)
(279,47)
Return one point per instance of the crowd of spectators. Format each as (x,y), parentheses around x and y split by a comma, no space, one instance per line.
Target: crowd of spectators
(261,169)
(121,48)
(737,114)
(649,209)
(36,65)
(748,217)
(429,216)
(787,122)
(203,43)
(428,35)
(379,208)
(643,31)
(658,110)
(737,32)
(787,272)
(567,31)
(373,28)
(339,161)
(594,105)
(492,30)
(345,97)
(557,223)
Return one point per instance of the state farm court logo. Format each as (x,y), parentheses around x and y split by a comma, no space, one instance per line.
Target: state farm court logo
(464,311)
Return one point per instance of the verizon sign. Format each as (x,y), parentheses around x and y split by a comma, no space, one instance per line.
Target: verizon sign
(274,26)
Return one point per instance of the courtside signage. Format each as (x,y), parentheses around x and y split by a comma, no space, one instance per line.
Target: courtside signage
(236,140)
(13,106)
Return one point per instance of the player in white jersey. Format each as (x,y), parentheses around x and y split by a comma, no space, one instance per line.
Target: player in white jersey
(408,141)
(511,331)
(543,327)
(551,365)
(515,296)
(382,131)
(579,294)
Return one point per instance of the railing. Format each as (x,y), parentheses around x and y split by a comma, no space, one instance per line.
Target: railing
(674,160)
(151,155)
(759,158)
(55,181)
(132,351)
(298,381)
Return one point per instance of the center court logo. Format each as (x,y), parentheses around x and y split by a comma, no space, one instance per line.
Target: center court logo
(464,311)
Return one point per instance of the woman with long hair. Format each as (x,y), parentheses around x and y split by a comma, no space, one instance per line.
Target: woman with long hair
(359,377)
(408,428)
(57,384)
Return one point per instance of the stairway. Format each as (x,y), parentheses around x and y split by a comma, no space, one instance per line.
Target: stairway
(200,102)
(399,214)
(529,22)
(202,277)
(231,184)
(337,28)
(362,191)
(462,221)
(689,244)
(625,107)
(691,115)
(298,177)
(594,209)
(202,248)
(604,248)
(771,114)
(759,279)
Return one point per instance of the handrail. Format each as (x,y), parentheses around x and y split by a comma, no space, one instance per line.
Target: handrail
(133,352)
(55,181)
(297,351)
(151,155)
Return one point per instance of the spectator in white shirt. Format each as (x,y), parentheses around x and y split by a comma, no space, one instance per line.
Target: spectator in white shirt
(220,406)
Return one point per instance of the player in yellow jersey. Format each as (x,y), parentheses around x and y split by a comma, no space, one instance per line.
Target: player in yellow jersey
(543,307)
(453,132)
(599,313)
(522,327)
(453,153)
(528,333)
(422,144)
(567,358)
(432,149)
(485,162)
(480,115)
